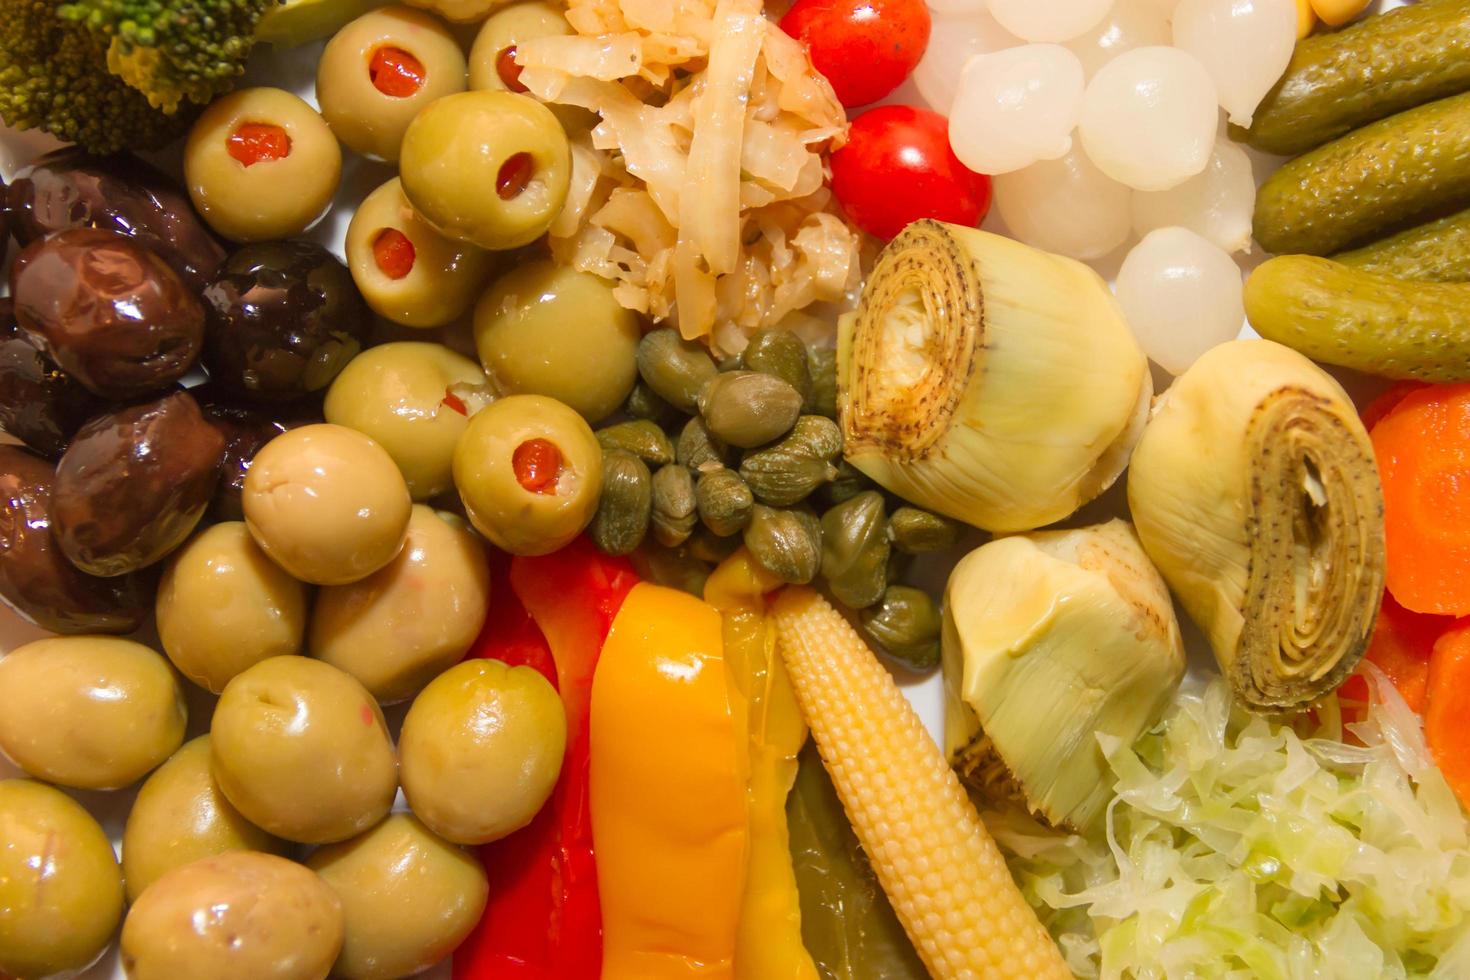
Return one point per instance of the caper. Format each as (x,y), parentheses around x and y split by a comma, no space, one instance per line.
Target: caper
(707,546)
(724,501)
(822,362)
(673,505)
(626,504)
(848,483)
(817,435)
(747,409)
(698,449)
(640,437)
(855,550)
(785,473)
(674,568)
(674,368)
(782,354)
(644,403)
(786,541)
(918,532)
(905,625)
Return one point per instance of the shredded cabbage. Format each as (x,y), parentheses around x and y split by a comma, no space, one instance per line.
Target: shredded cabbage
(1245,847)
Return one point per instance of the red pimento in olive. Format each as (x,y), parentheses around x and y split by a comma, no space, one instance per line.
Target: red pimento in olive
(454,403)
(515,173)
(897,167)
(394,253)
(254,143)
(537,464)
(508,70)
(866,48)
(395,72)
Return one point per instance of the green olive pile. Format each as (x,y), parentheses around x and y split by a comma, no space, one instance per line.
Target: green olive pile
(747,452)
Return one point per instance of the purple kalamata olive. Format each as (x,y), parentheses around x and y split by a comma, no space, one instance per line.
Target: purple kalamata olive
(39,403)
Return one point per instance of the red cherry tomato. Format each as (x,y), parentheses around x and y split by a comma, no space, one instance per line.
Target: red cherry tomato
(897,167)
(866,48)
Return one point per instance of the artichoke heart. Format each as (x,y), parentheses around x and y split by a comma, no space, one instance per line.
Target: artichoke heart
(1255,491)
(988,381)
(1050,639)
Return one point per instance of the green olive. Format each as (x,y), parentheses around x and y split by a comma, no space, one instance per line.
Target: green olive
(626,505)
(905,625)
(536,507)
(488,168)
(367,118)
(232,916)
(405,269)
(787,542)
(676,369)
(855,550)
(547,329)
(180,816)
(223,606)
(399,395)
(408,897)
(93,712)
(482,748)
(300,748)
(61,894)
(747,408)
(461,11)
(492,64)
(283,190)
(327,503)
(397,629)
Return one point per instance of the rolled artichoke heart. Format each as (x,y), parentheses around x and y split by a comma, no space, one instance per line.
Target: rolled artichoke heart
(1051,639)
(987,380)
(1255,492)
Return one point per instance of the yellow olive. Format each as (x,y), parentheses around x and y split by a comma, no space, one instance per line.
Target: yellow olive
(327,503)
(409,897)
(61,893)
(93,712)
(261,164)
(547,329)
(302,751)
(460,11)
(403,396)
(181,816)
(378,71)
(482,747)
(536,507)
(492,64)
(403,625)
(223,606)
(404,268)
(236,916)
(488,168)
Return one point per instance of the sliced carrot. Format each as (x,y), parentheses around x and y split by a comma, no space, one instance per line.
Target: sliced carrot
(1423,449)
(1386,402)
(1447,717)
(1400,647)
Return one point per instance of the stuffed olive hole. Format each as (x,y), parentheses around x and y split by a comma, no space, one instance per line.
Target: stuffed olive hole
(508,70)
(515,176)
(393,252)
(253,143)
(395,72)
(538,465)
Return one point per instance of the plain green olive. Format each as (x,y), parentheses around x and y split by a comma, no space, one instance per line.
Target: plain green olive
(547,329)
(488,168)
(482,747)
(61,894)
(223,606)
(181,816)
(460,11)
(231,917)
(408,895)
(445,275)
(92,712)
(399,395)
(415,617)
(515,519)
(300,748)
(271,198)
(327,503)
(365,118)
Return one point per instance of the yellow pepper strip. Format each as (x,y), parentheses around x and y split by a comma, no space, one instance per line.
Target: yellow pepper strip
(670,762)
(768,943)
(1306,18)
(1335,13)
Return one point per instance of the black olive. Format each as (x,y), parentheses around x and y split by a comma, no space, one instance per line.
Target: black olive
(36,580)
(134,483)
(284,318)
(39,404)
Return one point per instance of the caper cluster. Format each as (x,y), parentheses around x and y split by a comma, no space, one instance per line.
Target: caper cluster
(747,451)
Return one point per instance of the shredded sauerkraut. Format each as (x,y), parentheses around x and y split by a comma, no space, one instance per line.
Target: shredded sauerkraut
(701,191)
(1239,847)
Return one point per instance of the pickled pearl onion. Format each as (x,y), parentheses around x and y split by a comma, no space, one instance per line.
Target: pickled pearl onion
(1015,107)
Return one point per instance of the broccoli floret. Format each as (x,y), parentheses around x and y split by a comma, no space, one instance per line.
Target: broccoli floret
(174,51)
(53,76)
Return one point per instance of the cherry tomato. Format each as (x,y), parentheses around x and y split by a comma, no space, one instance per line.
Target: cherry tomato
(866,48)
(897,167)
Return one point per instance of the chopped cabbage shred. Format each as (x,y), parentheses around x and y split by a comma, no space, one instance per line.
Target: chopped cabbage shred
(1261,848)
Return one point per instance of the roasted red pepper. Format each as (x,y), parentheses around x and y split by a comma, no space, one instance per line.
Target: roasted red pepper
(543,921)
